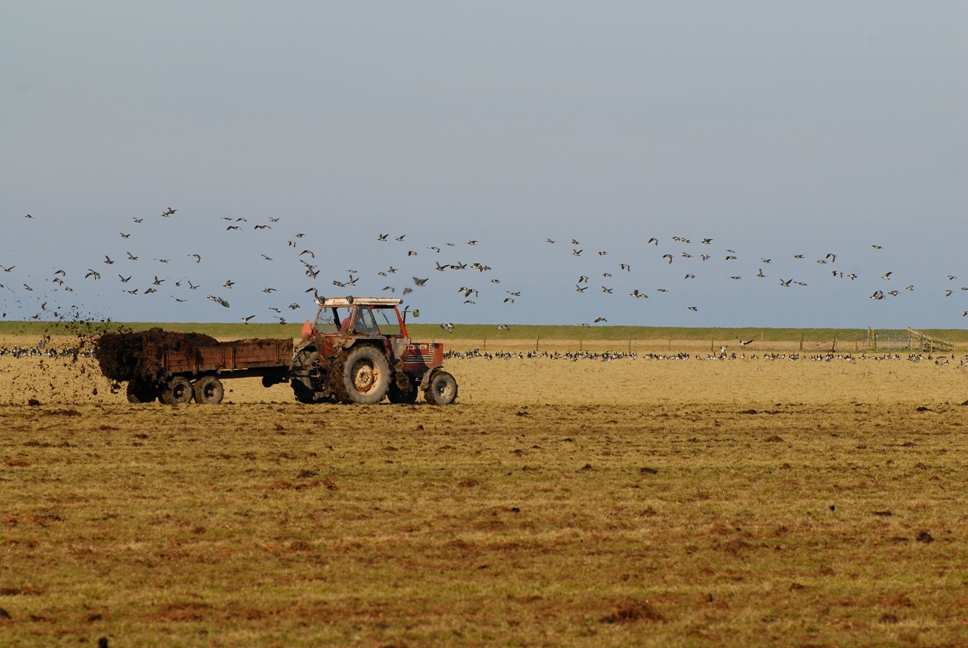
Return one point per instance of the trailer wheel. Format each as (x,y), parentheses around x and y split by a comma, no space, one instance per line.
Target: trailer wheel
(208,390)
(139,392)
(178,391)
(365,375)
(442,389)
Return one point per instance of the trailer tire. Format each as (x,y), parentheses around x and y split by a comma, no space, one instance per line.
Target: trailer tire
(208,390)
(442,389)
(178,391)
(139,392)
(364,375)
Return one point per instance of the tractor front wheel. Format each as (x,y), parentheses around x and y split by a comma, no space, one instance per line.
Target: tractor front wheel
(442,389)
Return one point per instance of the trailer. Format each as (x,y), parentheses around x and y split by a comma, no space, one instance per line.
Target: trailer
(177,368)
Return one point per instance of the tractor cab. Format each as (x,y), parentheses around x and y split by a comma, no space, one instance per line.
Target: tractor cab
(360,318)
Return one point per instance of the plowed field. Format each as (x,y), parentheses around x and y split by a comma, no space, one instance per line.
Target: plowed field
(594,503)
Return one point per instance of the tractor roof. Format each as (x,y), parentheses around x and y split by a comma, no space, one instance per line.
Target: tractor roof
(338,302)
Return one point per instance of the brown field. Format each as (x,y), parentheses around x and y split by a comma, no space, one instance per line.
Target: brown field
(632,502)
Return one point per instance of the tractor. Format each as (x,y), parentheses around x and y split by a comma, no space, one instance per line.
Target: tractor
(358,350)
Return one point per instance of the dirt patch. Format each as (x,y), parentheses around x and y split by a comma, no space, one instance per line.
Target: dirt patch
(634,611)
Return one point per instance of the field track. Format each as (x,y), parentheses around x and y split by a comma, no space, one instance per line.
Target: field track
(593,503)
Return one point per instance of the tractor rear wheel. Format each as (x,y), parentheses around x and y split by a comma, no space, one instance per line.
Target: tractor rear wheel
(364,375)
(208,390)
(442,389)
(178,391)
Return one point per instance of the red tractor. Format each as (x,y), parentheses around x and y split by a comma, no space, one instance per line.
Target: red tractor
(358,351)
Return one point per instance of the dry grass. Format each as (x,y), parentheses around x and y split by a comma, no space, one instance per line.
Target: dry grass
(628,503)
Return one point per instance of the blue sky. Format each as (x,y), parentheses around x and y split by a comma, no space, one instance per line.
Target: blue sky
(773,128)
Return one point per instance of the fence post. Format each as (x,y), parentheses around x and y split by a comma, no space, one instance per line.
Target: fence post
(485,344)
(536,341)
(835,344)
(630,346)
(801,342)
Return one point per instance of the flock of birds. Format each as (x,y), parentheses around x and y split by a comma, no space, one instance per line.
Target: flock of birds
(136,275)
(724,354)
